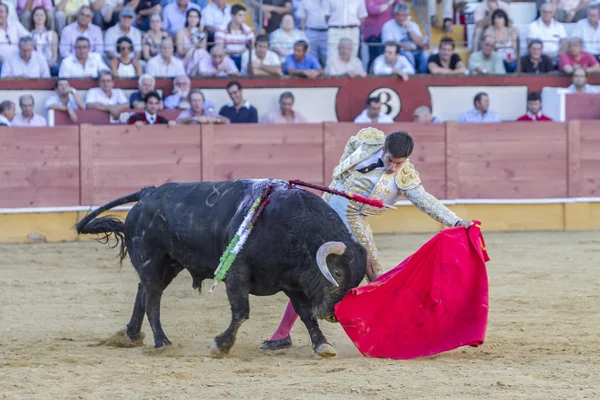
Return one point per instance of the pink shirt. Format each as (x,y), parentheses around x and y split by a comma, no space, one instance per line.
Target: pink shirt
(586,60)
(47,4)
(376,18)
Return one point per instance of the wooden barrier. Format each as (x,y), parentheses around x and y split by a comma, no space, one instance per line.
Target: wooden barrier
(97,117)
(90,165)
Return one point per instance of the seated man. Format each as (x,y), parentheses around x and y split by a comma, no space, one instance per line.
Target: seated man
(345,63)
(198,113)
(486,61)
(301,63)
(106,97)
(576,57)
(372,114)
(580,84)
(536,62)
(146,84)
(376,166)
(285,114)
(446,62)
(481,113)
(28,117)
(534,109)
(66,99)
(391,62)
(264,62)
(150,115)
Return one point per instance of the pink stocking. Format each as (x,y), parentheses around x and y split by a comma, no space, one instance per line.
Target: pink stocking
(286,324)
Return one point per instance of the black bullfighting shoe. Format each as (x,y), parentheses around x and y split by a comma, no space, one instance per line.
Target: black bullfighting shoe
(279,344)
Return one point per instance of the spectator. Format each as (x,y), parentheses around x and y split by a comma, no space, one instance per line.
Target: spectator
(285,114)
(192,38)
(506,39)
(152,39)
(198,113)
(7,112)
(422,115)
(344,18)
(123,29)
(481,113)
(165,64)
(282,40)
(379,12)
(372,114)
(106,98)
(25,10)
(576,57)
(218,64)
(536,62)
(150,115)
(264,62)
(174,16)
(66,99)
(45,41)
(550,32)
(580,84)
(83,64)
(146,84)
(239,111)
(312,22)
(407,34)
(482,17)
(345,63)
(446,62)
(534,109)
(143,11)
(125,65)
(110,12)
(67,10)
(391,62)
(216,15)
(236,35)
(28,117)
(588,30)
(486,61)
(181,89)
(447,14)
(273,12)
(571,10)
(79,28)
(302,64)
(12,30)
(26,63)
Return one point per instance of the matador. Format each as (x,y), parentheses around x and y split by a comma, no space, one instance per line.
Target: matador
(374,165)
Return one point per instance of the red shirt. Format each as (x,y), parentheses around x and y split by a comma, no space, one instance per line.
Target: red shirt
(532,117)
(586,60)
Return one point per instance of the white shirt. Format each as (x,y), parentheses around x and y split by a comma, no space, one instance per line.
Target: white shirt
(213,16)
(9,38)
(586,89)
(150,118)
(113,34)
(589,35)
(392,32)
(15,67)
(4,120)
(36,120)
(97,95)
(402,64)
(157,67)
(70,67)
(345,12)
(549,35)
(363,118)
(54,100)
(271,60)
(312,12)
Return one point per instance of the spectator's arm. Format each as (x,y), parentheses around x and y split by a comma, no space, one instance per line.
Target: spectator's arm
(44,64)
(362,12)
(460,68)
(78,100)
(563,64)
(387,34)
(61,6)
(415,34)
(54,44)
(138,67)
(7,71)
(28,6)
(114,65)
(276,43)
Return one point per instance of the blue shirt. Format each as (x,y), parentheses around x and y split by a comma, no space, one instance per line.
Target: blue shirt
(309,62)
(474,116)
(245,114)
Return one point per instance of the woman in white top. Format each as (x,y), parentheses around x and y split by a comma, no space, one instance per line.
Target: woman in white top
(191,40)
(125,65)
(151,39)
(282,40)
(506,39)
(45,41)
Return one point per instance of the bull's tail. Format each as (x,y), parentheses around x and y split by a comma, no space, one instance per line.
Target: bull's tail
(110,226)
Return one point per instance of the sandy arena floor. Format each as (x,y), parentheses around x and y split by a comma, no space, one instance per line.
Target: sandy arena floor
(58,301)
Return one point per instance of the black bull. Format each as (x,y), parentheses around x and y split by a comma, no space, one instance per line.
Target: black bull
(299,245)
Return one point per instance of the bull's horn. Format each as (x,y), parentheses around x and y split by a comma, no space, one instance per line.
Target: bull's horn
(325,250)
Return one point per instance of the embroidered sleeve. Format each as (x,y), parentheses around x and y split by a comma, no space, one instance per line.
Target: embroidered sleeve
(431,206)
(365,142)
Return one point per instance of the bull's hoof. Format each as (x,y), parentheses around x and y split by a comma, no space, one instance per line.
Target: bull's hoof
(216,351)
(163,345)
(279,344)
(325,350)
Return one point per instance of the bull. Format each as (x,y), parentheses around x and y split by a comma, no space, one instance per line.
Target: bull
(299,245)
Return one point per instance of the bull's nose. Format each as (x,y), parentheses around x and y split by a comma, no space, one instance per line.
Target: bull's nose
(331,319)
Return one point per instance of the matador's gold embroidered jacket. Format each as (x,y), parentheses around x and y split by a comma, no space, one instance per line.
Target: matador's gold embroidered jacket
(360,151)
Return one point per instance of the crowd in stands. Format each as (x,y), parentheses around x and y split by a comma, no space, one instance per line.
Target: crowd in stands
(183,39)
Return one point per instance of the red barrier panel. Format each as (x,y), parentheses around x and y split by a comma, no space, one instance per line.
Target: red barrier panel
(39,167)
(582,106)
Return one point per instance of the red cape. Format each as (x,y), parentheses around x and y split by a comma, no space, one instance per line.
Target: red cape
(436,300)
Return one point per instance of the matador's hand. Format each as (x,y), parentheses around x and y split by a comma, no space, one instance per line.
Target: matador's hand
(465,223)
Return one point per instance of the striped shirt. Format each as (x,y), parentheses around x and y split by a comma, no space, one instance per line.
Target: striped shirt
(235,42)
(474,116)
